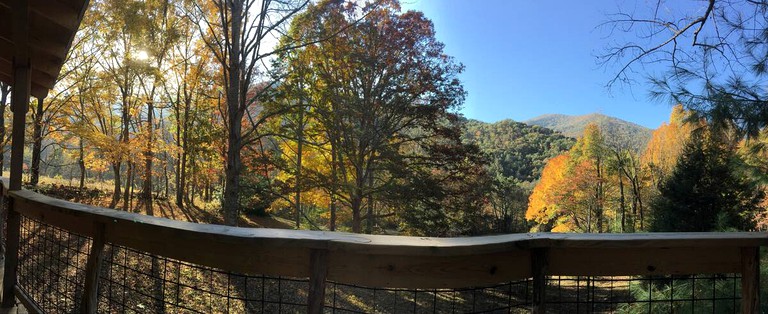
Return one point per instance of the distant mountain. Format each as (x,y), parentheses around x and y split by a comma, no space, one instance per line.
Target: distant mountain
(631,134)
(516,149)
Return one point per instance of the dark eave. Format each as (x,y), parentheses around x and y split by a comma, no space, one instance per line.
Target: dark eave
(52,27)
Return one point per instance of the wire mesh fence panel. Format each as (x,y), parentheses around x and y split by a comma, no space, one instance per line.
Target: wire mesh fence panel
(512,297)
(137,282)
(52,266)
(4,205)
(644,294)
(52,263)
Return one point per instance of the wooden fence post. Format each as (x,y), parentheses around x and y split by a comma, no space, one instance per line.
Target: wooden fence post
(318,270)
(539,265)
(90,300)
(13,231)
(20,92)
(750,280)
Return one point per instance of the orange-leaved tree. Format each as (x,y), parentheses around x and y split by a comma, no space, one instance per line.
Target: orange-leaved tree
(544,202)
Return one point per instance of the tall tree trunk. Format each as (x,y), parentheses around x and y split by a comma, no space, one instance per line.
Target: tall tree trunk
(358,194)
(599,197)
(622,205)
(299,151)
(356,204)
(177,173)
(182,192)
(128,186)
(193,189)
(146,193)
(116,194)
(370,217)
(183,134)
(131,178)
(334,184)
(208,190)
(633,218)
(636,188)
(37,143)
(166,177)
(231,202)
(189,177)
(81,164)
(81,148)
(125,120)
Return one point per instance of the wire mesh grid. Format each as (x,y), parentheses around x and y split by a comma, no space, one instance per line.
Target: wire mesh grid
(644,294)
(3,224)
(512,297)
(52,272)
(136,282)
(52,265)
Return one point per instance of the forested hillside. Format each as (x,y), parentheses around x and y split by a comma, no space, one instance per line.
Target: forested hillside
(519,150)
(622,132)
(516,154)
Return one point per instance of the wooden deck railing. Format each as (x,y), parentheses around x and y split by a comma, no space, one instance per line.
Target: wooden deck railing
(386,261)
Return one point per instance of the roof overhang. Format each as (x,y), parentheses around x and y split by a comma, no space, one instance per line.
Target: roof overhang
(52,27)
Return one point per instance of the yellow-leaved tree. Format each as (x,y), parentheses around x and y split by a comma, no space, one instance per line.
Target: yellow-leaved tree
(666,145)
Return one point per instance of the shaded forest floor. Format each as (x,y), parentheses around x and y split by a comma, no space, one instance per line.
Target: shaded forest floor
(100,194)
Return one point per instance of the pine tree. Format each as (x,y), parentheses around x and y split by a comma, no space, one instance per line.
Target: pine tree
(704,192)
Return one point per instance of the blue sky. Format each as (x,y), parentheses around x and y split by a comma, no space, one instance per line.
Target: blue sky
(528,58)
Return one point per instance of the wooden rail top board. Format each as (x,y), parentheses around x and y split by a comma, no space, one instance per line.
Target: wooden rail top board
(396,261)
(395,245)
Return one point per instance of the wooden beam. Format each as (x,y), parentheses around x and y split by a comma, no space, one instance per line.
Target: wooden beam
(48,40)
(391,245)
(539,269)
(92,270)
(317,277)
(429,272)
(20,91)
(750,280)
(644,240)
(43,62)
(55,11)
(644,261)
(40,80)
(401,262)
(20,94)
(26,300)
(11,263)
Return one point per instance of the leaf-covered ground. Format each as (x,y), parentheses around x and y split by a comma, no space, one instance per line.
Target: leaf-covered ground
(99,194)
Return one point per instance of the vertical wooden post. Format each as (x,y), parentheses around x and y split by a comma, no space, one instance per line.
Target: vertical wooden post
(90,299)
(750,280)
(539,265)
(13,231)
(318,271)
(20,93)
(19,105)
(22,82)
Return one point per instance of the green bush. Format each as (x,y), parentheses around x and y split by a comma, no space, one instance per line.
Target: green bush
(675,295)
